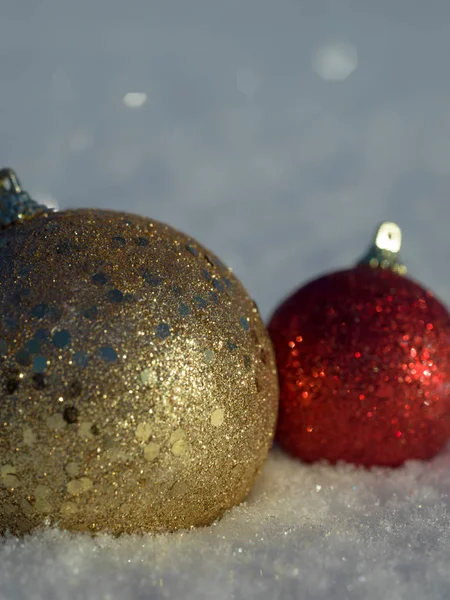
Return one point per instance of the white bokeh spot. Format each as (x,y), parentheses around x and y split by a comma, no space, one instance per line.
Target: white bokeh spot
(335,62)
(135,99)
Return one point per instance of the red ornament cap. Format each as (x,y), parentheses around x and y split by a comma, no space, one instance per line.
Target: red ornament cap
(364,364)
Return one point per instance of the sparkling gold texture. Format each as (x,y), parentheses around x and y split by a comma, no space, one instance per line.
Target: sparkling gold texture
(138,384)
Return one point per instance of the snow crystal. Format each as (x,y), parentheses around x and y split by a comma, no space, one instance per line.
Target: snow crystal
(306,532)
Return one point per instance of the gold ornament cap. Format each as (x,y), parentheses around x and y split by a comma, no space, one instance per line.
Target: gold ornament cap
(384,251)
(15,204)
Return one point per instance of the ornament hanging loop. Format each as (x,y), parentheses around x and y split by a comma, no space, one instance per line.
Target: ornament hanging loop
(384,253)
(9,182)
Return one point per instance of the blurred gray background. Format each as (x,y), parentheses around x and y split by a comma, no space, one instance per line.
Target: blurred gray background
(277,132)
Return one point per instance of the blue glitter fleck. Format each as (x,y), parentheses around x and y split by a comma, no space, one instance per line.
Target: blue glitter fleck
(119,240)
(214,297)
(41,335)
(17,298)
(39,364)
(33,346)
(218,285)
(142,241)
(61,339)
(227,282)
(201,302)
(206,274)
(108,354)
(23,357)
(152,278)
(184,310)
(24,270)
(231,346)
(162,331)
(244,323)
(39,310)
(100,278)
(220,264)
(81,359)
(177,290)
(91,313)
(192,249)
(115,295)
(3,347)
(10,322)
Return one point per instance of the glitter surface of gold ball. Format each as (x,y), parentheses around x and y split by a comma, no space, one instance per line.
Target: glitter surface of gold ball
(137,380)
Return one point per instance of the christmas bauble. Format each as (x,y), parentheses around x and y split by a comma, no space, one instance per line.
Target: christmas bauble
(139,390)
(364,364)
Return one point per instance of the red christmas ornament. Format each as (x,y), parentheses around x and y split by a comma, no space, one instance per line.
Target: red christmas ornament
(364,364)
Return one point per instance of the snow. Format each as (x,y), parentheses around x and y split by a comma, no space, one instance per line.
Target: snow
(306,532)
(279,134)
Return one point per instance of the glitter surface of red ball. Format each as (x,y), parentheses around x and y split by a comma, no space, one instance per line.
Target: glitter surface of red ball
(364,366)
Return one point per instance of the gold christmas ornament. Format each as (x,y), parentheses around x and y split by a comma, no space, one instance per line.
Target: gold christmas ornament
(138,383)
